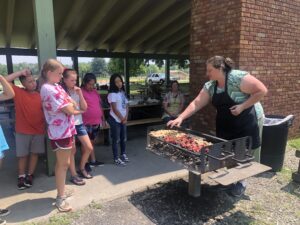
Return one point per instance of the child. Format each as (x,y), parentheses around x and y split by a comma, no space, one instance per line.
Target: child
(7,93)
(118,117)
(93,117)
(30,126)
(59,109)
(68,83)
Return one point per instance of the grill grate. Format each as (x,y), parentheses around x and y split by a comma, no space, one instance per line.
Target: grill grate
(222,153)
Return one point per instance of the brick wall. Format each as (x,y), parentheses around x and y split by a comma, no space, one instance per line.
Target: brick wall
(263,37)
(270,50)
(215,30)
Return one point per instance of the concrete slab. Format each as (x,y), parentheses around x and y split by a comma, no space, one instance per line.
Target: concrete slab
(110,181)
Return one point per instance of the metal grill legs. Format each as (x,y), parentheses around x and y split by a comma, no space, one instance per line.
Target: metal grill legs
(194,184)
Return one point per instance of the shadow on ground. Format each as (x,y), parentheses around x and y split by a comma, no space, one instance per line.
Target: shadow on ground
(292,188)
(39,206)
(169,203)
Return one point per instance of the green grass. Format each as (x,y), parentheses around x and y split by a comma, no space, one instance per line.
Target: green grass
(59,219)
(294,143)
(95,205)
(285,174)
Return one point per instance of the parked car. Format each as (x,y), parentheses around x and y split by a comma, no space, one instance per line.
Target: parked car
(156,78)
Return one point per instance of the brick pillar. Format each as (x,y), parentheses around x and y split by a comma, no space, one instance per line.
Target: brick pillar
(262,37)
(215,30)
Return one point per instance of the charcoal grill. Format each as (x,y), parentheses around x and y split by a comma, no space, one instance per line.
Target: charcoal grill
(224,161)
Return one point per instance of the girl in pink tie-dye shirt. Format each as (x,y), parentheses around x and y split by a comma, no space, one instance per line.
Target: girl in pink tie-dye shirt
(59,109)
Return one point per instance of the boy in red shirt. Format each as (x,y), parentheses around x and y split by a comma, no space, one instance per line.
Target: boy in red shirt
(30,126)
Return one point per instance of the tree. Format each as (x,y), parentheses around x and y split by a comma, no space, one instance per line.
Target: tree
(3,69)
(23,65)
(99,66)
(116,65)
(84,67)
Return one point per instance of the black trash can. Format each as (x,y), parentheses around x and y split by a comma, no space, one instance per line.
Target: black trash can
(274,139)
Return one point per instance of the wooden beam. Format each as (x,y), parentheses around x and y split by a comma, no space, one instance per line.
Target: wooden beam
(75,67)
(160,37)
(156,11)
(179,44)
(167,71)
(45,32)
(10,21)
(32,41)
(101,54)
(163,26)
(9,64)
(120,21)
(100,14)
(127,75)
(184,50)
(176,37)
(73,13)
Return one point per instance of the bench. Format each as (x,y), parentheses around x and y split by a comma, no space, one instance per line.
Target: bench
(139,122)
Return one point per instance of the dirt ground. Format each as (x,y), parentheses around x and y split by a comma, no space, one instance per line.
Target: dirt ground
(270,198)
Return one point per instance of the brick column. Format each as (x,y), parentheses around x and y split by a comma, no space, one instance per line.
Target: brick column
(262,37)
(215,30)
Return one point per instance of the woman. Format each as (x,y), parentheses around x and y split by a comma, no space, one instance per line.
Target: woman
(235,94)
(173,103)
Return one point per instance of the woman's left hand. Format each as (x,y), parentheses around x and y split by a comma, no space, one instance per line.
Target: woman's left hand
(237,109)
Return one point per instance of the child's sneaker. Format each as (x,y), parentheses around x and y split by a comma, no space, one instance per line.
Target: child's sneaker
(4,212)
(238,189)
(119,162)
(21,183)
(28,180)
(124,158)
(2,222)
(62,205)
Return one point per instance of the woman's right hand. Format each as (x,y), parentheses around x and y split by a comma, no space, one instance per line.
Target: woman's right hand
(177,122)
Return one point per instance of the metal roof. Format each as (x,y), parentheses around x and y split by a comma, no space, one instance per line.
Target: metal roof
(127,26)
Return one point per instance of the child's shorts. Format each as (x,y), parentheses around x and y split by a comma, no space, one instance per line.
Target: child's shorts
(92,131)
(80,130)
(65,143)
(26,143)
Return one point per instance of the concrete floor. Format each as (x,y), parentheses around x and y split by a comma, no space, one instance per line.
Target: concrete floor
(109,182)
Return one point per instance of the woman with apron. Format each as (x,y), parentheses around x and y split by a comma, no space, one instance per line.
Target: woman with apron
(235,94)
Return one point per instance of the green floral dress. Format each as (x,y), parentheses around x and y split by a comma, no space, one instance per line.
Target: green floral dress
(233,87)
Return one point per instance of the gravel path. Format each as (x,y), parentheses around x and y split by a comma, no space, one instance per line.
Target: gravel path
(270,198)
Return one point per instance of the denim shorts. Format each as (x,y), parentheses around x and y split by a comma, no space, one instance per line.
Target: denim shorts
(81,130)
(92,130)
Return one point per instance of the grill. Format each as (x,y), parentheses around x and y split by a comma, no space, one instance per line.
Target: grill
(220,153)
(218,161)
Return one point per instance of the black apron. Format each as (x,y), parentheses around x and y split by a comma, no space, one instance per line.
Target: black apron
(229,126)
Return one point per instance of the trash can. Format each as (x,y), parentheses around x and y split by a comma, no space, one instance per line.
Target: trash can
(274,139)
